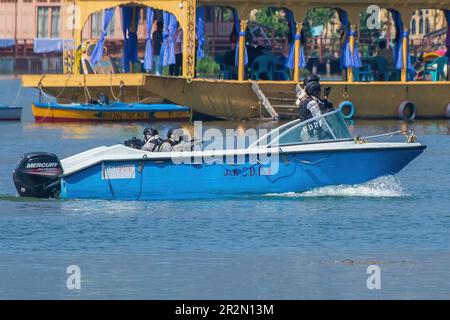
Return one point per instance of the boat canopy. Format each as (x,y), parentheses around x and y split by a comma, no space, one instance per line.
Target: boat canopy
(328,126)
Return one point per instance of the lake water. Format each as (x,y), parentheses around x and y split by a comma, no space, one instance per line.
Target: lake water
(313,245)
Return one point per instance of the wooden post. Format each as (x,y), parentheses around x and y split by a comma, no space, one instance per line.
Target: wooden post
(187,21)
(241,67)
(77,42)
(404,77)
(297,46)
(352,49)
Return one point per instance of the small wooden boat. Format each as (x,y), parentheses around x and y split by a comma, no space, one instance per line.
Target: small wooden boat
(118,111)
(10,113)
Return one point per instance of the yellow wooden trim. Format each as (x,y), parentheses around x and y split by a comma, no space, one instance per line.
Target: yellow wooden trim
(92,80)
(405,62)
(337,83)
(49,113)
(138,79)
(297,46)
(352,50)
(241,67)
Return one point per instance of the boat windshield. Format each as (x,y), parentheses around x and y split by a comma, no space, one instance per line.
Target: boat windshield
(328,126)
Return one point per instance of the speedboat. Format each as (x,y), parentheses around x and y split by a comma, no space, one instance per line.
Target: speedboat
(295,157)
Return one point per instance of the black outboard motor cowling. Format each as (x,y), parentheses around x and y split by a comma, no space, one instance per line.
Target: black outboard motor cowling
(38,175)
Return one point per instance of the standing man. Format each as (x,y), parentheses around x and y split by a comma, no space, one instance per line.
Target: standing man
(157,43)
(178,51)
(309,99)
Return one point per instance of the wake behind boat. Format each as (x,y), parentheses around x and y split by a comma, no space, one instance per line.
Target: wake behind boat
(295,157)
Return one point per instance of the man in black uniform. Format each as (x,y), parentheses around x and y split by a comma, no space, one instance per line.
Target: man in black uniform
(309,102)
(312,106)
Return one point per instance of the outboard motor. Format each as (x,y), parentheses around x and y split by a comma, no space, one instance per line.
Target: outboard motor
(38,175)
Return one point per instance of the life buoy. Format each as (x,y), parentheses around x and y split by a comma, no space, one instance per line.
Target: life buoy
(347,109)
(407,110)
(447,111)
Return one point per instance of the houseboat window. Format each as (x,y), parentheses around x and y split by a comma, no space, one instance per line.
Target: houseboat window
(42,22)
(48,22)
(55,30)
(97,25)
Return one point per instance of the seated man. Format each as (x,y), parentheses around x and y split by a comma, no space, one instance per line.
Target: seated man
(152,140)
(174,142)
(384,52)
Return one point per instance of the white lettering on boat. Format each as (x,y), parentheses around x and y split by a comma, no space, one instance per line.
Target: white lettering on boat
(39,165)
(118,171)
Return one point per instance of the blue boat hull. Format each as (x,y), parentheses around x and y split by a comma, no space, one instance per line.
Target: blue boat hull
(297,172)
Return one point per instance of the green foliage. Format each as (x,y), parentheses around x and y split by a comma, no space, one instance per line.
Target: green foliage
(207,66)
(274,20)
(319,16)
(365,31)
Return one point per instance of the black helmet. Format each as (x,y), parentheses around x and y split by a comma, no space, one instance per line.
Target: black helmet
(150,131)
(175,134)
(310,78)
(313,89)
(170,132)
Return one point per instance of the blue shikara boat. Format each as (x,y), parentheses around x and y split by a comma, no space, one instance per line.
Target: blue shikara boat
(295,157)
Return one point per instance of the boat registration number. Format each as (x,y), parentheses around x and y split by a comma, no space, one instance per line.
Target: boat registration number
(247,172)
(118,171)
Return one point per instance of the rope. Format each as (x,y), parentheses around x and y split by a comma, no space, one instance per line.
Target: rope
(13,104)
(48,97)
(46,114)
(87,94)
(111,87)
(41,86)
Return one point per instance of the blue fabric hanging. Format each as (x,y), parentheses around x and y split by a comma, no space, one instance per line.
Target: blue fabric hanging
(398,25)
(302,58)
(148,58)
(169,50)
(348,60)
(47,45)
(97,53)
(130,20)
(291,57)
(447,41)
(237,24)
(200,29)
(356,58)
(165,32)
(6,43)
(399,63)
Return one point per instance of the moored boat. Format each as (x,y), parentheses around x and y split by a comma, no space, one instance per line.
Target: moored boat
(118,111)
(295,157)
(10,113)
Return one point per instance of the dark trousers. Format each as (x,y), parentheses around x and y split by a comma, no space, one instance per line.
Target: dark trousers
(177,68)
